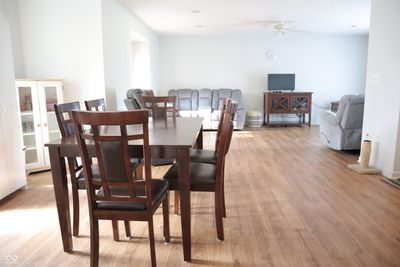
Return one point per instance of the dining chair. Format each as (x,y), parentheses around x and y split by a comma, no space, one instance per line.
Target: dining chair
(100,105)
(67,128)
(122,196)
(95,105)
(210,156)
(161,106)
(206,177)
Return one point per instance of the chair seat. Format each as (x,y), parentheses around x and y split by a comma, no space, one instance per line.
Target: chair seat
(202,177)
(96,173)
(162,162)
(203,156)
(158,189)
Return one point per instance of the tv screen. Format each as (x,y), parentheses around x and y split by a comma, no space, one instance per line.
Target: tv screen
(281,82)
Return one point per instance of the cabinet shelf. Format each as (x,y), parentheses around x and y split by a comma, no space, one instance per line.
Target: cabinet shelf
(26,113)
(28,148)
(28,133)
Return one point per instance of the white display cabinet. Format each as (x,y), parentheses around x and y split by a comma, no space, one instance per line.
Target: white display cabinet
(36,99)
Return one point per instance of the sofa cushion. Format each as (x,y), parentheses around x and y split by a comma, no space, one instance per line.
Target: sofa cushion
(206,103)
(345,101)
(205,98)
(220,94)
(186,99)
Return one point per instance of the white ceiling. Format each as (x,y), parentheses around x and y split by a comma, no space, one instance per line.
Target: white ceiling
(175,17)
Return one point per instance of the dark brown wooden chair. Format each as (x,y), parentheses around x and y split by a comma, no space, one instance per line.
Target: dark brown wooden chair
(95,105)
(122,196)
(210,156)
(67,128)
(161,107)
(206,177)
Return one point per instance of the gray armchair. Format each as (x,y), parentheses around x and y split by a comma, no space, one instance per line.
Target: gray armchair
(342,130)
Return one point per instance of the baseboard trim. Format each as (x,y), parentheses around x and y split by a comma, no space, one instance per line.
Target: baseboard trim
(391,174)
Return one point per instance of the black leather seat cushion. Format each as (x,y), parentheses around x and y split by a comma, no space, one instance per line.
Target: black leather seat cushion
(81,177)
(202,176)
(158,189)
(203,156)
(96,174)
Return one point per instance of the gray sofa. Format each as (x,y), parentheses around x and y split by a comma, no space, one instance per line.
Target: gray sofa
(342,130)
(133,98)
(207,103)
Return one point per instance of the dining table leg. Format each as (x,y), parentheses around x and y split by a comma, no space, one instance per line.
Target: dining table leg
(183,160)
(59,175)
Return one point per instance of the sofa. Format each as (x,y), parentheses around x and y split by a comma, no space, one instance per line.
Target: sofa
(133,98)
(342,130)
(207,103)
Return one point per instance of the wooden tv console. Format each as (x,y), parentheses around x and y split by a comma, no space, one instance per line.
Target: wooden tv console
(287,103)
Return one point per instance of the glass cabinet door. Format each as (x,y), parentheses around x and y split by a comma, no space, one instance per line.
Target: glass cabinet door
(50,94)
(30,123)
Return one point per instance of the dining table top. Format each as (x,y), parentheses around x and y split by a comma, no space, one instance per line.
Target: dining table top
(172,132)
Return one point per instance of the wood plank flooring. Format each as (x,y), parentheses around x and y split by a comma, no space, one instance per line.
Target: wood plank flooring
(291,201)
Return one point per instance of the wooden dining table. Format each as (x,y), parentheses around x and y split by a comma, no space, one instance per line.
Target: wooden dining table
(169,139)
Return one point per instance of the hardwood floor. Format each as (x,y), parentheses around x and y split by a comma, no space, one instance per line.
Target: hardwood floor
(290,200)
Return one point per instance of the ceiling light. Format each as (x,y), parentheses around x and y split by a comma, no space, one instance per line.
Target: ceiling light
(280,35)
(199,26)
(353,26)
(195,11)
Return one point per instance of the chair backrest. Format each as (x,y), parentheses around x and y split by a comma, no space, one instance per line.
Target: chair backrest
(110,132)
(66,125)
(231,110)
(226,129)
(95,105)
(161,106)
(350,111)
(222,112)
(64,120)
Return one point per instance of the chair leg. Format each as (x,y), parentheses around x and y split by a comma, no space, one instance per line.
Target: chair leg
(75,207)
(223,202)
(165,208)
(218,216)
(75,198)
(115,230)
(94,243)
(152,244)
(176,204)
(127,229)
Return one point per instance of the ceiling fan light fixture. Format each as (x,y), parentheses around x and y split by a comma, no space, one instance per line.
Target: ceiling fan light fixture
(280,35)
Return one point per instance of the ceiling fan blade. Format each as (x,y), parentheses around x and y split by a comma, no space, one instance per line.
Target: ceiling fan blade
(296,30)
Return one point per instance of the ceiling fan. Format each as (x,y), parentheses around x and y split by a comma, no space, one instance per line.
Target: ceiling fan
(281,28)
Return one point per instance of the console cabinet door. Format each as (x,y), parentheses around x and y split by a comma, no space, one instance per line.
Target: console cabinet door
(300,103)
(279,104)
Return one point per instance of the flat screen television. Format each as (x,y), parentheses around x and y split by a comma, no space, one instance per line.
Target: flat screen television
(281,82)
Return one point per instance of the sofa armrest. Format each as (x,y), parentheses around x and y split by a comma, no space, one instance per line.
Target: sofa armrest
(328,117)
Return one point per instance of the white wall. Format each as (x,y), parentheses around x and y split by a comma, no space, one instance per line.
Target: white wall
(141,74)
(63,39)
(118,23)
(329,66)
(382,96)
(12,165)
(10,10)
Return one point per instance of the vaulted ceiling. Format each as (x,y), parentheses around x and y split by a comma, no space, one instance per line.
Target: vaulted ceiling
(180,17)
